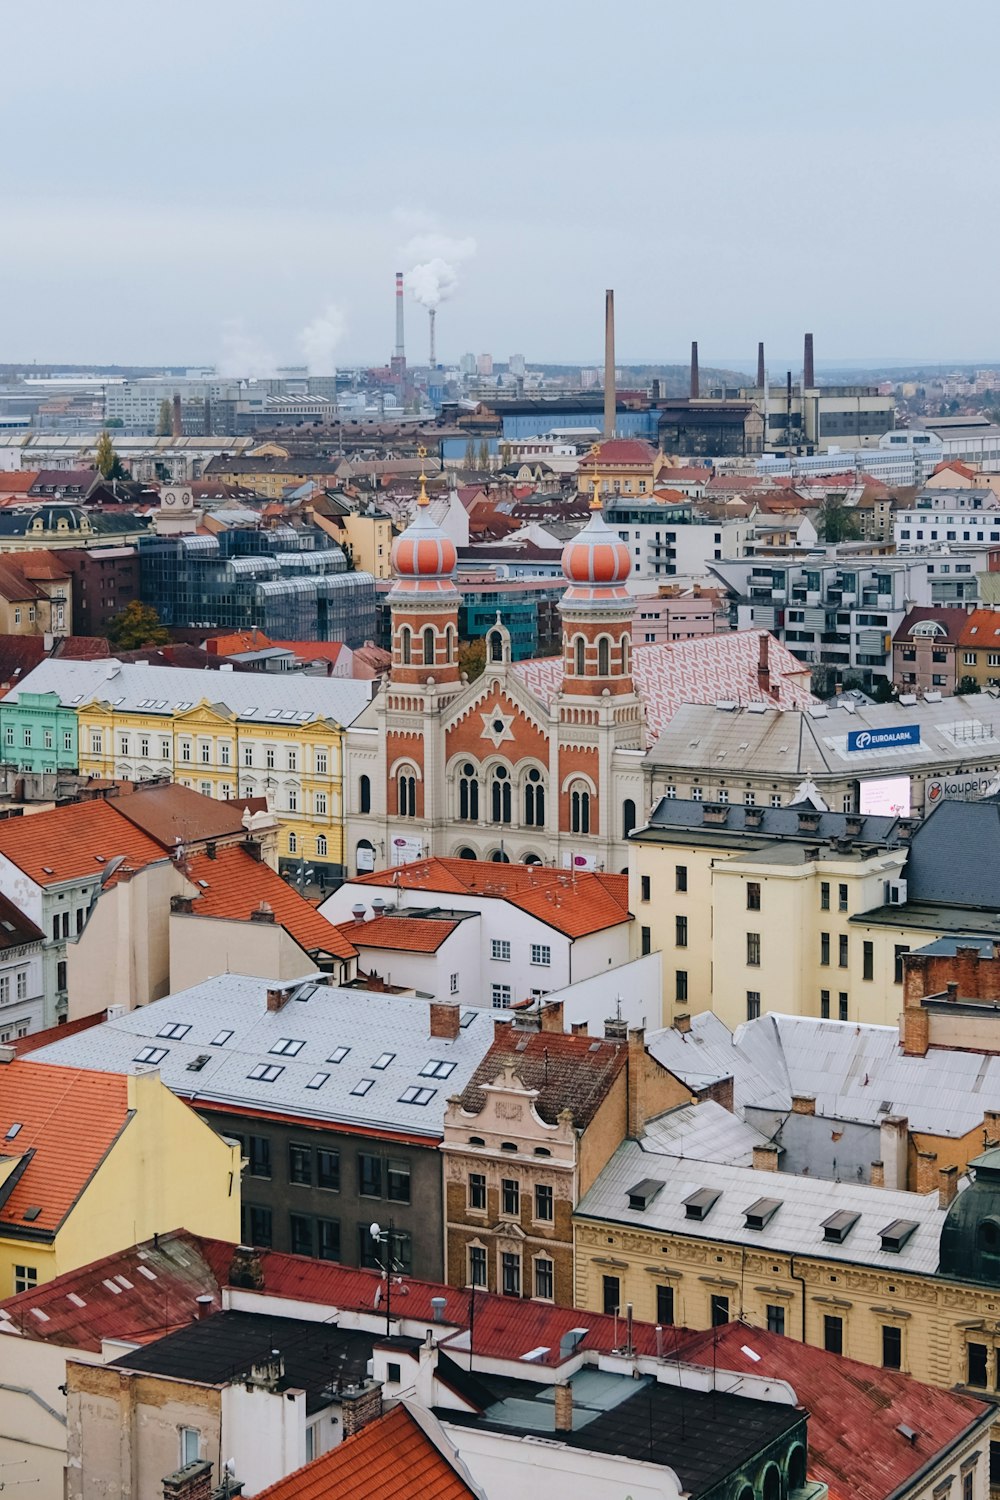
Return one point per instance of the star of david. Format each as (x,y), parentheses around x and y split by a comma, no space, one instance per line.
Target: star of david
(496,725)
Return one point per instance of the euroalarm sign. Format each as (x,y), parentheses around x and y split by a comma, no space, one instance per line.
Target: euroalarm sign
(884,739)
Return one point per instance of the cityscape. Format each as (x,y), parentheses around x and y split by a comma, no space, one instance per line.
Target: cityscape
(499,754)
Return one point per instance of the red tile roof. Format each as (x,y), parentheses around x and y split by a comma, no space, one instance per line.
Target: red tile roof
(620,451)
(573,902)
(167,811)
(955,466)
(68,843)
(855,1410)
(390,1459)
(313,650)
(981,628)
(951,619)
(17,481)
(402,934)
(69,1118)
(569,1072)
(234,884)
(36,1039)
(238,640)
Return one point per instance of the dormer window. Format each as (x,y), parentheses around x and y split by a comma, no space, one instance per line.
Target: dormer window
(700,1204)
(839,1225)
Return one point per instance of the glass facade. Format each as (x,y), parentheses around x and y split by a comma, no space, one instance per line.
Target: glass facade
(269,579)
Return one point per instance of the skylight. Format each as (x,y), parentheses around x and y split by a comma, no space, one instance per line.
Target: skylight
(413,1095)
(383,1060)
(12,1132)
(362,1086)
(317,1080)
(220,1039)
(175,1030)
(287,1046)
(151,1054)
(265,1072)
(437,1069)
(338,1054)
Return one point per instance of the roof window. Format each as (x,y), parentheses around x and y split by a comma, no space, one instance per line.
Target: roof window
(895,1235)
(413,1095)
(317,1080)
(642,1194)
(362,1086)
(437,1069)
(220,1039)
(383,1060)
(151,1054)
(197,1063)
(700,1204)
(760,1214)
(287,1046)
(338,1054)
(12,1132)
(265,1072)
(175,1030)
(839,1225)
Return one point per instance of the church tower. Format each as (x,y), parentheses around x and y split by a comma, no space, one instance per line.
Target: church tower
(597,611)
(424,603)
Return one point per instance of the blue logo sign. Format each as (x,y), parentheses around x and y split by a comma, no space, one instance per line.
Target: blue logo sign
(884,739)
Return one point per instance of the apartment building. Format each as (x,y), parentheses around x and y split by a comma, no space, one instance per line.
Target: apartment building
(677,541)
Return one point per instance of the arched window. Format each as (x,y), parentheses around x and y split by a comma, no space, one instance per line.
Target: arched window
(579,655)
(364,856)
(293,843)
(628,817)
(467,853)
(796,1468)
(499,857)
(496,646)
(365,794)
(405,637)
(603,657)
(579,807)
(532,859)
(501,804)
(626,645)
(771,1488)
(468,793)
(534,799)
(428,636)
(449,637)
(321,846)
(407,797)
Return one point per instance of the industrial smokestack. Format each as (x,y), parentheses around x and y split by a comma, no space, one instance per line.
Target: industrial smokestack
(808,371)
(400,352)
(761,376)
(609,364)
(431,314)
(695,393)
(176,422)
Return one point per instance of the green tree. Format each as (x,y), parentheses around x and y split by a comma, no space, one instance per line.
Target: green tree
(165,419)
(505,455)
(837,522)
(114,422)
(137,625)
(969,685)
(107,459)
(470,454)
(484,454)
(472,658)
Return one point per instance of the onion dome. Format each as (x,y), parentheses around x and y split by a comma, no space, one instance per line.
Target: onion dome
(423,558)
(596,562)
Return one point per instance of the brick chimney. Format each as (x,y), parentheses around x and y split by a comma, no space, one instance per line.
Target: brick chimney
(246,1268)
(927,1171)
(446,1020)
(193,1482)
(360,1406)
(991,1127)
(947,1186)
(877,1178)
(916,1032)
(803,1104)
(579,1028)
(262,913)
(564,1407)
(636,1082)
(277,999)
(682,1022)
(765,1158)
(552,1016)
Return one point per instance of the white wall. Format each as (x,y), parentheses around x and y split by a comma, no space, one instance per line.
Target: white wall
(265,1432)
(504,1464)
(594,1000)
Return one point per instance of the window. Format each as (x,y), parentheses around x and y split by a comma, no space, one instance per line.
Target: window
(611,1294)
(868,960)
(397,1181)
(152,1055)
(510,1266)
(720,1310)
(541,954)
(406,786)
(775,799)
(501,996)
(269,757)
(206,753)
(247,755)
(841,897)
(4,989)
(67,739)
(320,804)
(477,1265)
(500,795)
(293,843)
(437,1068)
(287,1046)
(898,951)
(842,1006)
(665,1305)
(300,1234)
(646,939)
(544,1209)
(174,1030)
(321,846)
(22,984)
(25,1278)
(224,752)
(477,1192)
(259,1156)
(413,1095)
(824,1004)
(468,793)
(328,1239)
(500,950)
(579,656)
(543,1278)
(369,1175)
(750,799)
(9,735)
(824,895)
(328,1169)
(322,766)
(681,932)
(453,983)
(95,742)
(293,799)
(968,1484)
(824,949)
(534,800)
(775,1318)
(842,951)
(511,1197)
(644,887)
(185,750)
(976,1373)
(364,793)
(383,1060)
(628,817)
(833,1334)
(753,1004)
(579,811)
(190,1445)
(427,636)
(300,1164)
(753,895)
(892,1347)
(753,950)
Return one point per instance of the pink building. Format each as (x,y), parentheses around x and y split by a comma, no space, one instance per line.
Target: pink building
(660,618)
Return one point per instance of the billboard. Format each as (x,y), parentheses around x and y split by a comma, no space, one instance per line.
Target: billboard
(961,788)
(579,861)
(405,851)
(888,797)
(883,739)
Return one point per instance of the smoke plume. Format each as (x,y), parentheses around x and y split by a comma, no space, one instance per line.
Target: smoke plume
(319,339)
(433,276)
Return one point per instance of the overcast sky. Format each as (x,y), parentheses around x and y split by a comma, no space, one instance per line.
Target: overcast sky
(235,181)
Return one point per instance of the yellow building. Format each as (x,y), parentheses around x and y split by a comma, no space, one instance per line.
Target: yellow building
(758,909)
(93,1162)
(903,1280)
(624,466)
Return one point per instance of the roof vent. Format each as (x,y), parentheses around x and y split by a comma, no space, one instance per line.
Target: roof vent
(839,1225)
(908,1433)
(700,1204)
(642,1194)
(760,1214)
(197,1063)
(895,1235)
(571,1340)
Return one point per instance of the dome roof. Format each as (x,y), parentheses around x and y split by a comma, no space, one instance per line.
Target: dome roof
(423,558)
(596,561)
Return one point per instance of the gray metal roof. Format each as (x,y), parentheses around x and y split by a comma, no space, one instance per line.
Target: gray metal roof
(704,1132)
(760,825)
(371,1026)
(953,858)
(795,1228)
(708,1053)
(278,699)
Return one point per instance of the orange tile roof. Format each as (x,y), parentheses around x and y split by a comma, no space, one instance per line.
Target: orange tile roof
(573,902)
(404,934)
(238,641)
(68,843)
(69,1118)
(234,884)
(313,650)
(390,1459)
(981,628)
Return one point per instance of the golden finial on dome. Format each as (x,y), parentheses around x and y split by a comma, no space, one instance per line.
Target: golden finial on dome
(595,503)
(423,498)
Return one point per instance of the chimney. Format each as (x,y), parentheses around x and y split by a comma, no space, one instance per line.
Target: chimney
(400,354)
(763,662)
(761,374)
(615,1029)
(438,1305)
(609,364)
(808,371)
(927,1171)
(210,849)
(951,990)
(894,1140)
(579,1028)
(263,913)
(877,1177)
(803,1104)
(564,1407)
(183,904)
(358,911)
(695,383)
(359,1406)
(277,999)
(552,1016)
(446,1020)
(193,1482)
(246,1268)
(765,1158)
(991,1127)
(431,315)
(916,1032)
(947,1186)
(682,1023)
(176,422)
(203,1305)
(636,1082)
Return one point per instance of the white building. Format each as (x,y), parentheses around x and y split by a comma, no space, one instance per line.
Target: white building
(940,515)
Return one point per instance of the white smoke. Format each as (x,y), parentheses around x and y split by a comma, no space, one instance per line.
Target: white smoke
(433,276)
(242,354)
(320,337)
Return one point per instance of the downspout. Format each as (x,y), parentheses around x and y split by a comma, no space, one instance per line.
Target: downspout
(801,1281)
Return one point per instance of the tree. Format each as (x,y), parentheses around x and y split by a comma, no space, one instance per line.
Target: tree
(470,454)
(837,522)
(484,454)
(114,422)
(107,459)
(137,625)
(472,658)
(165,419)
(505,455)
(969,685)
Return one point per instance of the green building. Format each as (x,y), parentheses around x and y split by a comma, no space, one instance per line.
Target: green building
(37,733)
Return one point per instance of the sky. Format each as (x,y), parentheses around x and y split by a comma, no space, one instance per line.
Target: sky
(234,182)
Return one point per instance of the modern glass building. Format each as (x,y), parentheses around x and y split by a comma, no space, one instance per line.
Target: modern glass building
(290,586)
